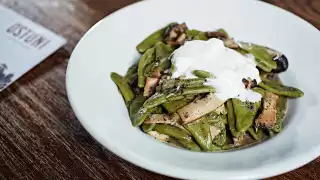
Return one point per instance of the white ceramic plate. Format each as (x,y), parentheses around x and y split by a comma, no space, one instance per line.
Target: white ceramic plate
(110,46)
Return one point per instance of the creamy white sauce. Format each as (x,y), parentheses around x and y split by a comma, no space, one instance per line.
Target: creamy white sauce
(228,66)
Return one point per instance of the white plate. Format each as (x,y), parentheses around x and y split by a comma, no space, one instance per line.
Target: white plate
(110,46)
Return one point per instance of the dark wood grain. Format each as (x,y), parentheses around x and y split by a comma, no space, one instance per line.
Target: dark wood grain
(40,137)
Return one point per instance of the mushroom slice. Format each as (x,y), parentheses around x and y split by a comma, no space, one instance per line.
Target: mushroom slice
(151,84)
(217,34)
(158,136)
(199,108)
(267,118)
(170,32)
(181,39)
(173,43)
(163,119)
(175,35)
(184,26)
(249,84)
(165,139)
(214,131)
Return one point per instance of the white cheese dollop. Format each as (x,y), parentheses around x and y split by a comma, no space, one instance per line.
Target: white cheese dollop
(227,65)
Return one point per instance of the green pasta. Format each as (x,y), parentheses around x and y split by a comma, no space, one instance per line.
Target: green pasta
(155,97)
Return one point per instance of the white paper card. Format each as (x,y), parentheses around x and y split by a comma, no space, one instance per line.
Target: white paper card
(23,45)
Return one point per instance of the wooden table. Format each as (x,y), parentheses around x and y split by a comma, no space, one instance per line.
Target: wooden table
(41,138)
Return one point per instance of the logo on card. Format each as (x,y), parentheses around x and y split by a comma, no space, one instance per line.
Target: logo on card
(5,78)
(23,34)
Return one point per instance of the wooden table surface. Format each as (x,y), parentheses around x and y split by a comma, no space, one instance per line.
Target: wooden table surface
(41,138)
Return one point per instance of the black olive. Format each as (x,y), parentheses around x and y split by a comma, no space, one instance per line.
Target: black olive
(282,64)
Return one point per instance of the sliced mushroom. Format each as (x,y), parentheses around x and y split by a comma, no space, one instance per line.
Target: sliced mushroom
(165,139)
(151,84)
(169,32)
(249,84)
(216,34)
(199,108)
(267,118)
(158,136)
(175,35)
(181,39)
(184,26)
(173,43)
(178,41)
(214,131)
(171,119)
